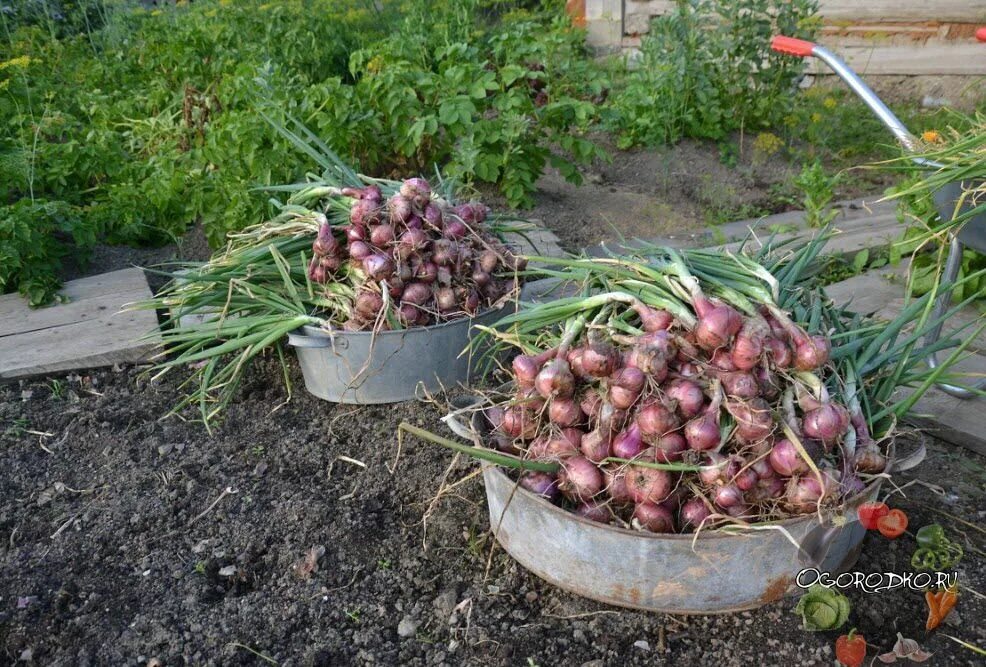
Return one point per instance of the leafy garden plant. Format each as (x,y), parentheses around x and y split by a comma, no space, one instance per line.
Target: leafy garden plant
(135,124)
(706,69)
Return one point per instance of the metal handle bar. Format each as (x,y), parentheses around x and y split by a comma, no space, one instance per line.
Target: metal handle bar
(803,49)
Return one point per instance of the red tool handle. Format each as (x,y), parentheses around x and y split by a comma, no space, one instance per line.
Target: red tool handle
(792,46)
(981,34)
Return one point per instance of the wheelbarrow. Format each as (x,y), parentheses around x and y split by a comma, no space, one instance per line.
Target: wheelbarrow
(948,199)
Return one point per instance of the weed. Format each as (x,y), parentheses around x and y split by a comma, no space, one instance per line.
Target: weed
(817,190)
(384,564)
(353,614)
(200,567)
(17,428)
(57,388)
(476,541)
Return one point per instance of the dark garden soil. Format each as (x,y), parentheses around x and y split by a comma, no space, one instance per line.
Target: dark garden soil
(125,540)
(682,188)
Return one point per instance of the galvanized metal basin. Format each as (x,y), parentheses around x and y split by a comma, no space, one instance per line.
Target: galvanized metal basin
(363,367)
(714,573)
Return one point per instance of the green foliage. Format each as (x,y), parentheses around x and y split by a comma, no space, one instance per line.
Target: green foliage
(150,122)
(697,81)
(32,243)
(817,190)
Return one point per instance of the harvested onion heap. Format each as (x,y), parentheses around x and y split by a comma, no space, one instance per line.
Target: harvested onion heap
(712,396)
(657,406)
(414,256)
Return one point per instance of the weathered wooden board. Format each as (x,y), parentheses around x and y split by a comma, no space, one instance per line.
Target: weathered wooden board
(88,331)
(959,58)
(960,422)
(958,11)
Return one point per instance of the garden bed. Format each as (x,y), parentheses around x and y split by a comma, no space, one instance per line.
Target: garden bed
(118,545)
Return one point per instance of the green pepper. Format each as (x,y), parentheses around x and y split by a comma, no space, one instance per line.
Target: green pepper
(935,551)
(931,536)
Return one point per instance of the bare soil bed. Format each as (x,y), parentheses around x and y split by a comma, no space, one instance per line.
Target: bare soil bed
(647,193)
(127,540)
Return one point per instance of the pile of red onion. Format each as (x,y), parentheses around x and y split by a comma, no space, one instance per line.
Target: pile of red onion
(729,400)
(414,255)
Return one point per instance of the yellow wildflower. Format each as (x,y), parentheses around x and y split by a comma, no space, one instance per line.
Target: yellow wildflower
(19,61)
(931,136)
(816,117)
(829,103)
(157,12)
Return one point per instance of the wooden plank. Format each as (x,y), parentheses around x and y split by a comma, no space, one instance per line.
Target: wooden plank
(942,11)
(959,58)
(88,331)
(958,11)
(955,420)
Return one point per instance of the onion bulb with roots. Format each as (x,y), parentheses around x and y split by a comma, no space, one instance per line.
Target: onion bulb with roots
(564,412)
(596,445)
(655,418)
(869,459)
(628,444)
(579,478)
(651,353)
(653,319)
(648,485)
(610,419)
(740,384)
(616,485)
(754,420)
(779,353)
(590,403)
(600,360)
(811,353)
(669,447)
(519,423)
(828,422)
(763,468)
(749,344)
(746,479)
(702,433)
(555,379)
(688,396)
(693,512)
(727,495)
(625,387)
(804,493)
(541,483)
(653,517)
(717,324)
(785,459)
(575,363)
(594,511)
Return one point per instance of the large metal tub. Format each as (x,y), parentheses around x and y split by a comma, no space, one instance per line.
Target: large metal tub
(363,367)
(716,572)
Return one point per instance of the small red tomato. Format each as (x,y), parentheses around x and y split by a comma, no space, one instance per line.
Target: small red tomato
(893,524)
(870,513)
(850,650)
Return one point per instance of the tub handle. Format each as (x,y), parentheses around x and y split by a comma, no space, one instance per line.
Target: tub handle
(303,340)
